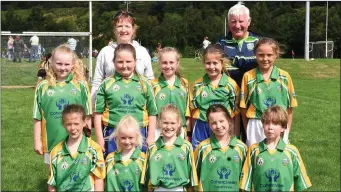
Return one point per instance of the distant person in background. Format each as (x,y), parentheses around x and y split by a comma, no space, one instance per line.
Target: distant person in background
(10,48)
(34,48)
(205,43)
(158,47)
(292,54)
(72,43)
(18,45)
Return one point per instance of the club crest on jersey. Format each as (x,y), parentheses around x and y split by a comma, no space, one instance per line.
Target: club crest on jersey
(204,94)
(73,91)
(181,156)
(279,88)
(182,94)
(236,158)
(259,90)
(162,96)
(285,161)
(116,172)
(84,161)
(139,88)
(250,46)
(158,157)
(50,92)
(212,159)
(116,87)
(64,165)
(260,161)
(137,171)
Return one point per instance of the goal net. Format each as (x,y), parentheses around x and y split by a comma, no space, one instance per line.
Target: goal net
(321,49)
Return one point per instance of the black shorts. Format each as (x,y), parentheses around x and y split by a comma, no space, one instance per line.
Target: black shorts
(41,73)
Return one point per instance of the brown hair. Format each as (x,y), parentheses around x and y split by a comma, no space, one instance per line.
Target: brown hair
(125,15)
(77,70)
(275,115)
(215,108)
(272,42)
(177,56)
(169,108)
(216,49)
(76,108)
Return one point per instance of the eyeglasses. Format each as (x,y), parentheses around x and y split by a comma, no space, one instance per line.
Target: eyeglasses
(122,13)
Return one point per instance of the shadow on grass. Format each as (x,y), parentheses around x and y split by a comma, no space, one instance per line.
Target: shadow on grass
(42,186)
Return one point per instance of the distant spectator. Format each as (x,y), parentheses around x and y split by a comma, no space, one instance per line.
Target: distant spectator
(39,53)
(292,54)
(18,46)
(159,47)
(205,43)
(72,43)
(34,48)
(10,48)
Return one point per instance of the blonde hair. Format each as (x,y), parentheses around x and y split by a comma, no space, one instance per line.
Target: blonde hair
(177,56)
(275,115)
(216,49)
(126,122)
(169,108)
(271,42)
(77,69)
(215,108)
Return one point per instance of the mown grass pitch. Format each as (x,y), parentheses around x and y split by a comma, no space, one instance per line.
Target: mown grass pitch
(315,129)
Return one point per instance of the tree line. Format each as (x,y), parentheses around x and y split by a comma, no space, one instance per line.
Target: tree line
(179,24)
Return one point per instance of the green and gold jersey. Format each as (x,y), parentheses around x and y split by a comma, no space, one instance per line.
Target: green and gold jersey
(281,169)
(76,172)
(170,166)
(124,175)
(205,94)
(117,97)
(219,169)
(177,94)
(50,101)
(257,94)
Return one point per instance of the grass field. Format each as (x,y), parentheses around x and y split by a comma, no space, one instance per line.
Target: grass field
(315,129)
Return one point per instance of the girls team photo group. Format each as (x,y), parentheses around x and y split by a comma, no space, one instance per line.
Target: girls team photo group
(166,133)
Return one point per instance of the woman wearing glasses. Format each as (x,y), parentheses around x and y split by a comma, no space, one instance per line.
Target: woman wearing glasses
(124,28)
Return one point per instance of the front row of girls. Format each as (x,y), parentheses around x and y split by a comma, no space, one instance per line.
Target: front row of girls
(219,163)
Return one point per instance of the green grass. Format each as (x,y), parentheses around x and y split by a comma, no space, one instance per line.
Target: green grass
(315,129)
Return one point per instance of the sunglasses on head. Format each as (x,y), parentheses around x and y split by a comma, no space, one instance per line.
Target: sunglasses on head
(121,13)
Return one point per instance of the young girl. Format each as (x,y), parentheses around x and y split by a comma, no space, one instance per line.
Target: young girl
(215,87)
(125,165)
(272,165)
(43,66)
(170,160)
(219,159)
(170,87)
(124,93)
(263,87)
(77,162)
(64,85)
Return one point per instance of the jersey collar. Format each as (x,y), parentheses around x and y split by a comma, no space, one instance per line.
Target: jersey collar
(134,156)
(280,145)
(160,143)
(274,74)
(163,82)
(81,148)
(215,143)
(67,79)
(118,77)
(222,81)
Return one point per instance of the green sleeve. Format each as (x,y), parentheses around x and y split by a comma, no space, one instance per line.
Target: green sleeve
(301,179)
(100,99)
(37,104)
(86,99)
(151,104)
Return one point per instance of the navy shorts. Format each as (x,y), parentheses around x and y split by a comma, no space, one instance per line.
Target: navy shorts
(201,132)
(110,145)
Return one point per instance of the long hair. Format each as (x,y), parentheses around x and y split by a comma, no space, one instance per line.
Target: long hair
(216,49)
(77,70)
(169,108)
(220,108)
(271,42)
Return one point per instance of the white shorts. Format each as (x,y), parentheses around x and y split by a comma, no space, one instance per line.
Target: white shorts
(47,158)
(181,188)
(254,132)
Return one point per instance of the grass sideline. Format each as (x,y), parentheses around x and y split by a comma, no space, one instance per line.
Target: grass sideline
(315,129)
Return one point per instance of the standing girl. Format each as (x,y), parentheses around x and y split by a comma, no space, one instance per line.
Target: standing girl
(220,158)
(77,162)
(170,160)
(170,87)
(215,87)
(64,85)
(124,93)
(263,87)
(125,165)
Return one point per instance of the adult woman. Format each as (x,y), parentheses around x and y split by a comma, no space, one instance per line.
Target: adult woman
(124,28)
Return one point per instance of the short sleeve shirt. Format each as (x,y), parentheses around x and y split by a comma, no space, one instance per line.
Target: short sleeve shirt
(117,97)
(257,95)
(124,175)
(219,169)
(50,101)
(76,172)
(204,95)
(281,169)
